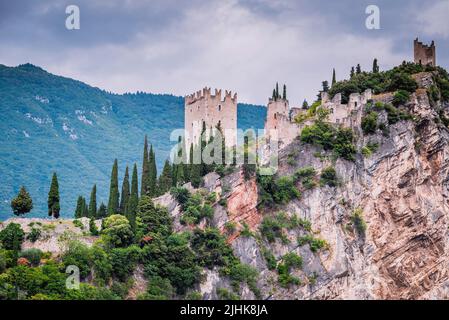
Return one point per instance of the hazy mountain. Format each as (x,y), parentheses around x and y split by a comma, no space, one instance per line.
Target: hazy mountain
(51,123)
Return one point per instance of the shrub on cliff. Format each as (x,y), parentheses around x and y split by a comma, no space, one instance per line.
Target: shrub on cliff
(22,203)
(369,122)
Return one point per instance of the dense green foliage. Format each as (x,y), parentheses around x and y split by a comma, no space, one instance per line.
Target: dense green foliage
(323,134)
(273,190)
(329,177)
(114,195)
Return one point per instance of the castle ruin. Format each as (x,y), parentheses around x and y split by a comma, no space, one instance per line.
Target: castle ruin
(424,54)
(203,107)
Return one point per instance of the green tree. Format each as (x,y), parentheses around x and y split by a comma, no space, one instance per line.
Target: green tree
(152,218)
(352,72)
(284,92)
(102,211)
(375,66)
(358,69)
(152,182)
(113,204)
(305,104)
(93,202)
(117,231)
(85,208)
(325,86)
(12,237)
(53,198)
(79,211)
(274,95)
(22,203)
(133,202)
(334,79)
(145,169)
(92,227)
(124,199)
(277,91)
(165,180)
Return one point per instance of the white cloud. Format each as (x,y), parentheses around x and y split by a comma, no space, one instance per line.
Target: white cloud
(434,19)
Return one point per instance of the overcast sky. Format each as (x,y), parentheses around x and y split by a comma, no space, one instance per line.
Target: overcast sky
(167,46)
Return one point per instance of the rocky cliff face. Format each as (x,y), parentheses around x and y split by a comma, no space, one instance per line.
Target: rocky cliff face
(402,190)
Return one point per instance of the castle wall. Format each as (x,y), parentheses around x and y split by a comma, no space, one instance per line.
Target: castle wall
(212,109)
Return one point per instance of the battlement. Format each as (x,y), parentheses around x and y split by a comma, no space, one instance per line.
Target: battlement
(424,54)
(206,94)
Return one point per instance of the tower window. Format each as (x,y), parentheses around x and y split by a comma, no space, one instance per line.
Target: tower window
(219,107)
(356,103)
(275,116)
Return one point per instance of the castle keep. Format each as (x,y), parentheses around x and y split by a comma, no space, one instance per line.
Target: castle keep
(424,54)
(203,107)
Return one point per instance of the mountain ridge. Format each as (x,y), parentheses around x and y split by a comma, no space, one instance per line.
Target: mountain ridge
(63,118)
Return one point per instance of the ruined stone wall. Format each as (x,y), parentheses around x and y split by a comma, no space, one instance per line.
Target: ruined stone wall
(424,54)
(202,106)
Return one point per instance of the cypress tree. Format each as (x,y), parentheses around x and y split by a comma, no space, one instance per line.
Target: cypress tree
(113,203)
(85,208)
(93,202)
(180,175)
(277,91)
(165,180)
(358,69)
(145,168)
(284,92)
(375,66)
(334,79)
(174,172)
(79,208)
(102,211)
(352,72)
(125,193)
(195,171)
(305,105)
(53,198)
(133,201)
(152,174)
(274,94)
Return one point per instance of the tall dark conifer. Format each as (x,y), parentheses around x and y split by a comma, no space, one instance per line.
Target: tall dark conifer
(277,91)
(284,92)
(145,169)
(125,193)
(334,79)
(166,178)
(113,203)
(79,208)
(53,198)
(375,66)
(152,174)
(133,202)
(93,202)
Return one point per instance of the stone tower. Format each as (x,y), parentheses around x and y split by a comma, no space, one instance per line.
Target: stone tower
(424,54)
(202,106)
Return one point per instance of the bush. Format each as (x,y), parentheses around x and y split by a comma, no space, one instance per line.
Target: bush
(289,261)
(400,97)
(117,231)
(225,294)
(34,234)
(306,175)
(369,122)
(12,237)
(358,221)
(402,81)
(329,177)
(269,259)
(211,248)
(78,254)
(158,289)
(271,229)
(32,255)
(285,190)
(124,261)
(243,273)
(101,265)
(230,227)
(152,218)
(325,135)
(315,244)
(181,195)
(370,148)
